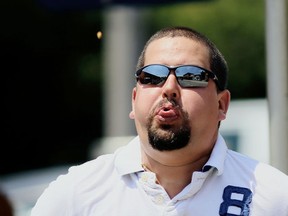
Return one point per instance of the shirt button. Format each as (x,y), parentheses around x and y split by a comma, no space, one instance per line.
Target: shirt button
(144,177)
(159,199)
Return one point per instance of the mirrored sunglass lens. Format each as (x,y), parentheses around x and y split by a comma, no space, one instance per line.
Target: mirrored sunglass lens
(189,76)
(153,74)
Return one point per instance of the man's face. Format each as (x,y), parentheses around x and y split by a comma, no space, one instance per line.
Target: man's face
(171,118)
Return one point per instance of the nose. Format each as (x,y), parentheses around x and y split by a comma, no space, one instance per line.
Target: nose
(171,88)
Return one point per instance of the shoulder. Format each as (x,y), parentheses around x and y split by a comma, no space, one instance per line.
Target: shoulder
(262,176)
(59,196)
(269,177)
(100,164)
(90,172)
(268,184)
(265,176)
(240,163)
(271,189)
(259,169)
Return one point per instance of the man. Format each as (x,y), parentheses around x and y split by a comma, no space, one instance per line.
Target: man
(179,163)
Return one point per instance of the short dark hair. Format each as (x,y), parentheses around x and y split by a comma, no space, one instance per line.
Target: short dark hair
(218,64)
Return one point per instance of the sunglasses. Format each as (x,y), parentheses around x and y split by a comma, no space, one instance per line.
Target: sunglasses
(188,76)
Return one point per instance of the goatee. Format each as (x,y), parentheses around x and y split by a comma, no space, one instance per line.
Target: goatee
(166,137)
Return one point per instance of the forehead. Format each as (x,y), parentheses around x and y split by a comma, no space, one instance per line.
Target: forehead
(175,51)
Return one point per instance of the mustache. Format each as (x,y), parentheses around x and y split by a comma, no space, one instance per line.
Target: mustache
(167,101)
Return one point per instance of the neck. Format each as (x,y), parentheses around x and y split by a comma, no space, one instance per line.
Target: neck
(173,178)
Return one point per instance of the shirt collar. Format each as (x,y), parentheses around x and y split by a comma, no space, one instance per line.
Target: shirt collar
(218,155)
(128,158)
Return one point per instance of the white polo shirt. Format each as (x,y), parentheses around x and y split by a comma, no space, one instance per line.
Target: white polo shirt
(116,185)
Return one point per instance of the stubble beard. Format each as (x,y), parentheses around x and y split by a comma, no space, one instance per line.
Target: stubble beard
(166,137)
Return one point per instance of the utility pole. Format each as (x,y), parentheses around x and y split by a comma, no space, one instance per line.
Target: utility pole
(277,81)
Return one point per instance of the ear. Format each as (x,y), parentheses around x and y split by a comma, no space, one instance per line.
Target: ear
(131,114)
(223,101)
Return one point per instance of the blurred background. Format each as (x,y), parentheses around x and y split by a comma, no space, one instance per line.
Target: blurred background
(68,74)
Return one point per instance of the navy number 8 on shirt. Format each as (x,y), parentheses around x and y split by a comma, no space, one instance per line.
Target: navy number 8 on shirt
(236,199)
